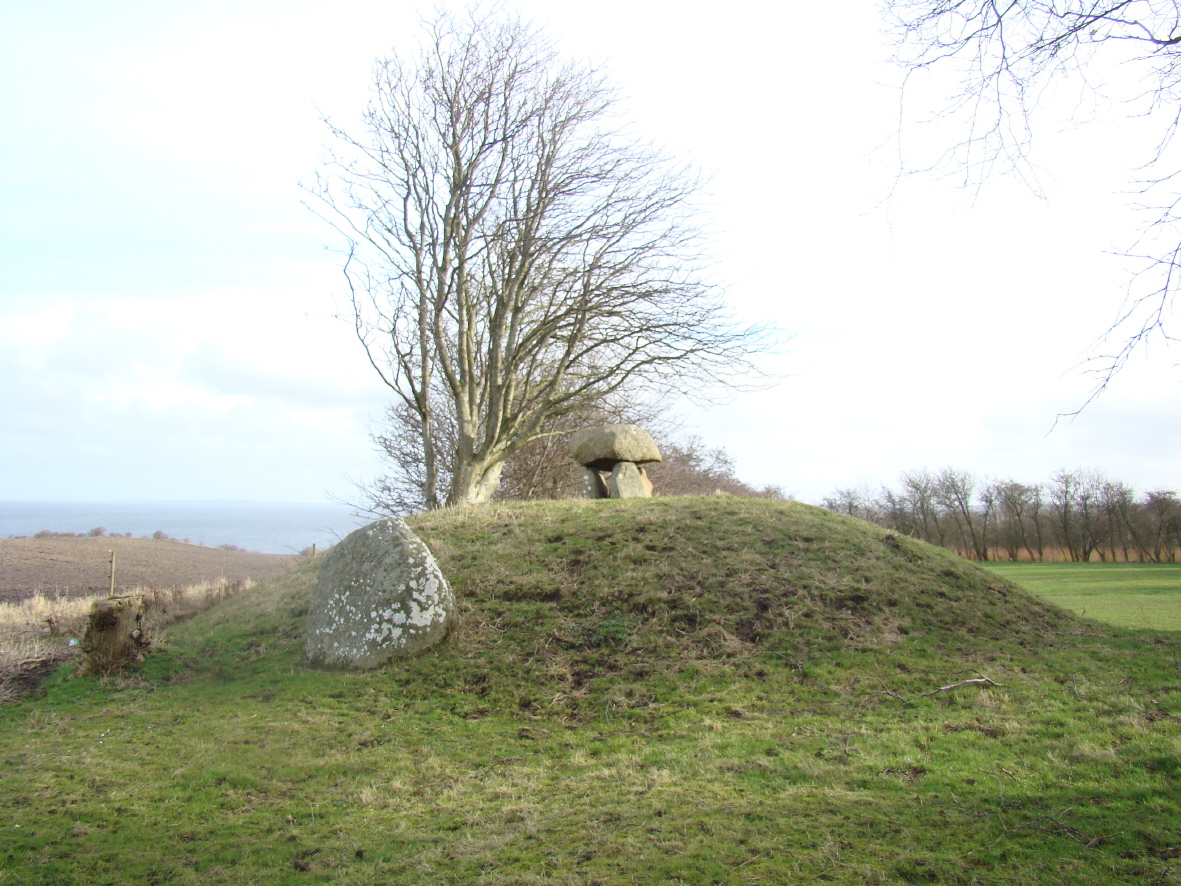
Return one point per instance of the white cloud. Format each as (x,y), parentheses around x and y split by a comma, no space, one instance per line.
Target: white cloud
(182,398)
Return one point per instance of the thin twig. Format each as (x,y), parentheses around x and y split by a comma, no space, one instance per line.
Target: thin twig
(981,679)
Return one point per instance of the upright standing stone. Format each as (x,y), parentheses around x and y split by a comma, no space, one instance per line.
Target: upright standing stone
(380,595)
(629,480)
(593,485)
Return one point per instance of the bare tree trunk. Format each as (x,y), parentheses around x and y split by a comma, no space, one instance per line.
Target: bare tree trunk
(474,483)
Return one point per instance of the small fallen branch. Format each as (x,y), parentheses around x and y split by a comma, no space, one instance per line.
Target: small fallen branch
(980,679)
(977,680)
(1058,826)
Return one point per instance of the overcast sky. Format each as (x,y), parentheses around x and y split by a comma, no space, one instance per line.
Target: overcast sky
(166,302)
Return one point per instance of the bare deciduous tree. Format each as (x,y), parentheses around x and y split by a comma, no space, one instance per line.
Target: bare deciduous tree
(859,502)
(1007,55)
(1019,518)
(921,490)
(401,444)
(1163,514)
(690,467)
(513,256)
(955,492)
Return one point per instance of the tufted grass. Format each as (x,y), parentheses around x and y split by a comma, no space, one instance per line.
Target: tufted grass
(688,691)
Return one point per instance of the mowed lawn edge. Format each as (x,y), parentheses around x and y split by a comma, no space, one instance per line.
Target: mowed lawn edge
(1130,595)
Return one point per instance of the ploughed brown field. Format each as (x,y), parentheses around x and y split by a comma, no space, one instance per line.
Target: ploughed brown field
(81,566)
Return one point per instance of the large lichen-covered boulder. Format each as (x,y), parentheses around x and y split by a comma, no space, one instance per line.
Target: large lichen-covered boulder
(603,447)
(380,595)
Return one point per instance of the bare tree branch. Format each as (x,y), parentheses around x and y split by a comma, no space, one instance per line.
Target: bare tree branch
(1006,56)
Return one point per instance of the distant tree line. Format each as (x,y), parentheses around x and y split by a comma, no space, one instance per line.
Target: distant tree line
(101,532)
(1079,515)
(96,532)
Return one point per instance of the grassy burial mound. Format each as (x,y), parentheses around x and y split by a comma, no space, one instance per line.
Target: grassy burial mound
(582,595)
(644,691)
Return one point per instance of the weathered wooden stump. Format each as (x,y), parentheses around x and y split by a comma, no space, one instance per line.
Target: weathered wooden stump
(115,635)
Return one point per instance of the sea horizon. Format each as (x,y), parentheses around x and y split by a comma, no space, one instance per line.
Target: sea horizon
(266,527)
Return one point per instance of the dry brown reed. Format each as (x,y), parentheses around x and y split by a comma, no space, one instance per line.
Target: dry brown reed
(1055,554)
(41,630)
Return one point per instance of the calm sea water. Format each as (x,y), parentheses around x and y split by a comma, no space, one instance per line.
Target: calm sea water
(272,528)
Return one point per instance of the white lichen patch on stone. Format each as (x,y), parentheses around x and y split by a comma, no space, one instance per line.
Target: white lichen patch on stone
(379,595)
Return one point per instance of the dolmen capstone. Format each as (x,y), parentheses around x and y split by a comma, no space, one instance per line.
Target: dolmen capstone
(380,595)
(621,449)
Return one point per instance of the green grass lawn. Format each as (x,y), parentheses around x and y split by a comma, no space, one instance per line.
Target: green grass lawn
(1132,595)
(682,693)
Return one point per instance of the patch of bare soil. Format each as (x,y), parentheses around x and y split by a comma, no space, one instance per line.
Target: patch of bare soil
(68,566)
